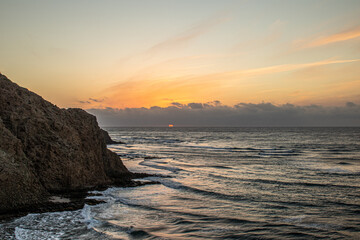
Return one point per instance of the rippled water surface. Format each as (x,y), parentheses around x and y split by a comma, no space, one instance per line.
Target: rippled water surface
(221,183)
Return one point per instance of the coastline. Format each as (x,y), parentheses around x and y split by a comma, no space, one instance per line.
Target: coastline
(51,157)
(72,200)
(216,189)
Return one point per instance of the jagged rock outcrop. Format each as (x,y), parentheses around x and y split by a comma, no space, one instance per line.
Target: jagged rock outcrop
(46,149)
(108,139)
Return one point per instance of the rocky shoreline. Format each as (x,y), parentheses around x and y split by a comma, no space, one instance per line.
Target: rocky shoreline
(51,157)
(72,200)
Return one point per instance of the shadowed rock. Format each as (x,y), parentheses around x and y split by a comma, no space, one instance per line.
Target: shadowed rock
(108,139)
(45,149)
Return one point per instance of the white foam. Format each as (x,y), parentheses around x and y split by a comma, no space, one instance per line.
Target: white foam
(87,217)
(30,234)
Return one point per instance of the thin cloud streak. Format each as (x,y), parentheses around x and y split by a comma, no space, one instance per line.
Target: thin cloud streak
(148,89)
(274,33)
(243,73)
(188,35)
(338,37)
(329,39)
(291,67)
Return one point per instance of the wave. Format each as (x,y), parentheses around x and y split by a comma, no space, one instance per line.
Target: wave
(307,222)
(151,140)
(203,166)
(199,216)
(29,234)
(274,154)
(265,200)
(168,168)
(50,225)
(278,182)
(113,227)
(234,198)
(331,171)
(88,219)
(258,151)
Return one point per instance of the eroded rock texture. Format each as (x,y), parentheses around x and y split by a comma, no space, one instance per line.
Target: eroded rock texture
(47,149)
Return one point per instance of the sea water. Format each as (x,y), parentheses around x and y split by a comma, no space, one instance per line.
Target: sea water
(220,183)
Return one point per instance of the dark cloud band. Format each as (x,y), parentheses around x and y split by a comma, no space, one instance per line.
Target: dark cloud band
(241,115)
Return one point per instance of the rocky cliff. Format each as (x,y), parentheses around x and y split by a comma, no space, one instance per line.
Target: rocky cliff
(45,149)
(108,139)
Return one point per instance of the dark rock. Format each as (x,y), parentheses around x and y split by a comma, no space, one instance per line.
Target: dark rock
(343,163)
(45,149)
(18,182)
(108,139)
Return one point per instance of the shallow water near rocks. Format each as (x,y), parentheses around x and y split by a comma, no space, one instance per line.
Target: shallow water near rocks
(221,183)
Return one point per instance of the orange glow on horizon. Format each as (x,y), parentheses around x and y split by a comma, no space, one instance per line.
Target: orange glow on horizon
(274,83)
(171,125)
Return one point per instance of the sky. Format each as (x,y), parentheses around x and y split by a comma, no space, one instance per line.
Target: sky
(145,55)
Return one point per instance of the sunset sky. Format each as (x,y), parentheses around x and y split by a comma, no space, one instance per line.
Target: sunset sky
(132,54)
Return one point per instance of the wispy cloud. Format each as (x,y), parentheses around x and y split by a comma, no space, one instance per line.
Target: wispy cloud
(338,37)
(291,67)
(96,100)
(91,100)
(188,35)
(273,34)
(146,90)
(272,69)
(342,36)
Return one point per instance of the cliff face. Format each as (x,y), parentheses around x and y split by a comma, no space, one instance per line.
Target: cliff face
(47,149)
(18,184)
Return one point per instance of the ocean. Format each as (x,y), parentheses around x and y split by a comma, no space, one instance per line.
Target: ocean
(220,183)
